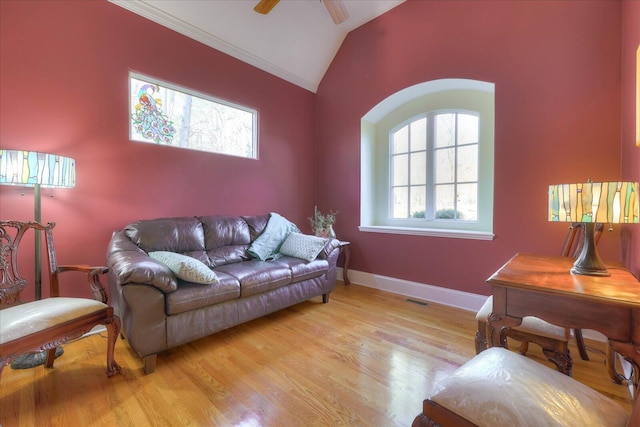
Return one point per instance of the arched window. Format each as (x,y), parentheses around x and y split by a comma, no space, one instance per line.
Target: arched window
(427,161)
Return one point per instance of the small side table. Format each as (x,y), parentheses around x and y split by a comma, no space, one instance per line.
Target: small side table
(344,248)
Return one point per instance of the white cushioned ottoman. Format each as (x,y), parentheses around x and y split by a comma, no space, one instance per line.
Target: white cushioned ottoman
(502,388)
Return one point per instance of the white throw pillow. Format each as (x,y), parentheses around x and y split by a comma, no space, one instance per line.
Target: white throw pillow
(303,246)
(186,267)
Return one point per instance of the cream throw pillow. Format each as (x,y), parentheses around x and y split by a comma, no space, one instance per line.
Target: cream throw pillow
(302,246)
(185,267)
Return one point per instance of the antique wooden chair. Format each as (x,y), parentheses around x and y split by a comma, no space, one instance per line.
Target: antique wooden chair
(44,324)
(553,339)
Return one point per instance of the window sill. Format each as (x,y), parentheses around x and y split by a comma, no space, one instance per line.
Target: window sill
(431,232)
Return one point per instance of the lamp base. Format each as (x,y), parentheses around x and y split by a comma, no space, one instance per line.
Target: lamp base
(590,271)
(31,360)
(589,262)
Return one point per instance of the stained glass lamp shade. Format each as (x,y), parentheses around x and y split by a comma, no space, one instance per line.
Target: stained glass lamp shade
(590,203)
(32,169)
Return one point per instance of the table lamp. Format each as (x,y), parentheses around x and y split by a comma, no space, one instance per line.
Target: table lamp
(590,203)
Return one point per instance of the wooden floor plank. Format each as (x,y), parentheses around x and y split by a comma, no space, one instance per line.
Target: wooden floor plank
(368,358)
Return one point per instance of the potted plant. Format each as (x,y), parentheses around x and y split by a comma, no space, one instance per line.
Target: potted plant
(322,225)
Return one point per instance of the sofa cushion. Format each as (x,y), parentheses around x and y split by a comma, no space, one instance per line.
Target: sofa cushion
(256,224)
(257,276)
(191,296)
(302,246)
(303,270)
(185,267)
(222,230)
(167,234)
(501,388)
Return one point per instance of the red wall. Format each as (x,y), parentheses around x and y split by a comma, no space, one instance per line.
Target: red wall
(630,152)
(556,67)
(64,89)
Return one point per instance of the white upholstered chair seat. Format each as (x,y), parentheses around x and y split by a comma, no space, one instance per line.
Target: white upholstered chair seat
(502,388)
(530,324)
(25,319)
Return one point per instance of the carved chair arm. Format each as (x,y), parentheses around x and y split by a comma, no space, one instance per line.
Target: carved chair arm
(93,277)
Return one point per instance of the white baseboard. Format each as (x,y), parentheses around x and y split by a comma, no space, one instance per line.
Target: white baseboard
(463,300)
(437,294)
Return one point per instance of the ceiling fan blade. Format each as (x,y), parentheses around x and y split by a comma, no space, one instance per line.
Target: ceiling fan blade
(265,6)
(337,10)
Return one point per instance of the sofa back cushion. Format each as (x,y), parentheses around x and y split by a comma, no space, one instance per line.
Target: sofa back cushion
(226,239)
(181,235)
(214,240)
(257,224)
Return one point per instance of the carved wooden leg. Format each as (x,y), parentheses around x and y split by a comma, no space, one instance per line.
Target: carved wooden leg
(496,328)
(481,337)
(51,356)
(325,298)
(113,329)
(563,361)
(150,363)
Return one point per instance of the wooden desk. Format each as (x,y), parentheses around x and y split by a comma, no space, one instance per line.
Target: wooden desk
(541,286)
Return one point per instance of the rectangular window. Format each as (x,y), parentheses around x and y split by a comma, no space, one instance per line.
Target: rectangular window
(434,163)
(162,113)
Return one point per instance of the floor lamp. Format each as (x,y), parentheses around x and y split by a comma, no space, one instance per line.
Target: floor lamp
(38,170)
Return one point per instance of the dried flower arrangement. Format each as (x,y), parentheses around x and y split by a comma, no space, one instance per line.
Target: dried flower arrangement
(322,225)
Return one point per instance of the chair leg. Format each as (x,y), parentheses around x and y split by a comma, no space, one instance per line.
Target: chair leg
(51,356)
(562,360)
(481,337)
(113,330)
(580,341)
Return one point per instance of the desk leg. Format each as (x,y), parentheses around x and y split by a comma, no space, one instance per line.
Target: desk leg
(631,353)
(615,376)
(633,358)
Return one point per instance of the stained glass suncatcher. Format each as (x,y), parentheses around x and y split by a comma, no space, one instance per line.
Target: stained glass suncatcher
(165,114)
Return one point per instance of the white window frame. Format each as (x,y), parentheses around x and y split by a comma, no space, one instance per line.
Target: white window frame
(439,95)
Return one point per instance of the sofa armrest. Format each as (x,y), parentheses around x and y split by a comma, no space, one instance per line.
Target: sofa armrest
(331,246)
(129,264)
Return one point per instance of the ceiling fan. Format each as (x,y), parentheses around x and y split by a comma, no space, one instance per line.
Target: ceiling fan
(336,9)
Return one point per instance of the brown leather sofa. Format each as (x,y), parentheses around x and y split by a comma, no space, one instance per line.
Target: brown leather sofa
(159,311)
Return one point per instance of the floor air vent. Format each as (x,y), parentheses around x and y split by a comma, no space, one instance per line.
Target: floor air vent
(415,301)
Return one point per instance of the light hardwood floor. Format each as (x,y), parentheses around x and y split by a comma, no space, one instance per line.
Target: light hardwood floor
(368,358)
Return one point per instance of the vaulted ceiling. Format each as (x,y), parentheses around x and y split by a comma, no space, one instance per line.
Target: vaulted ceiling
(296,41)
